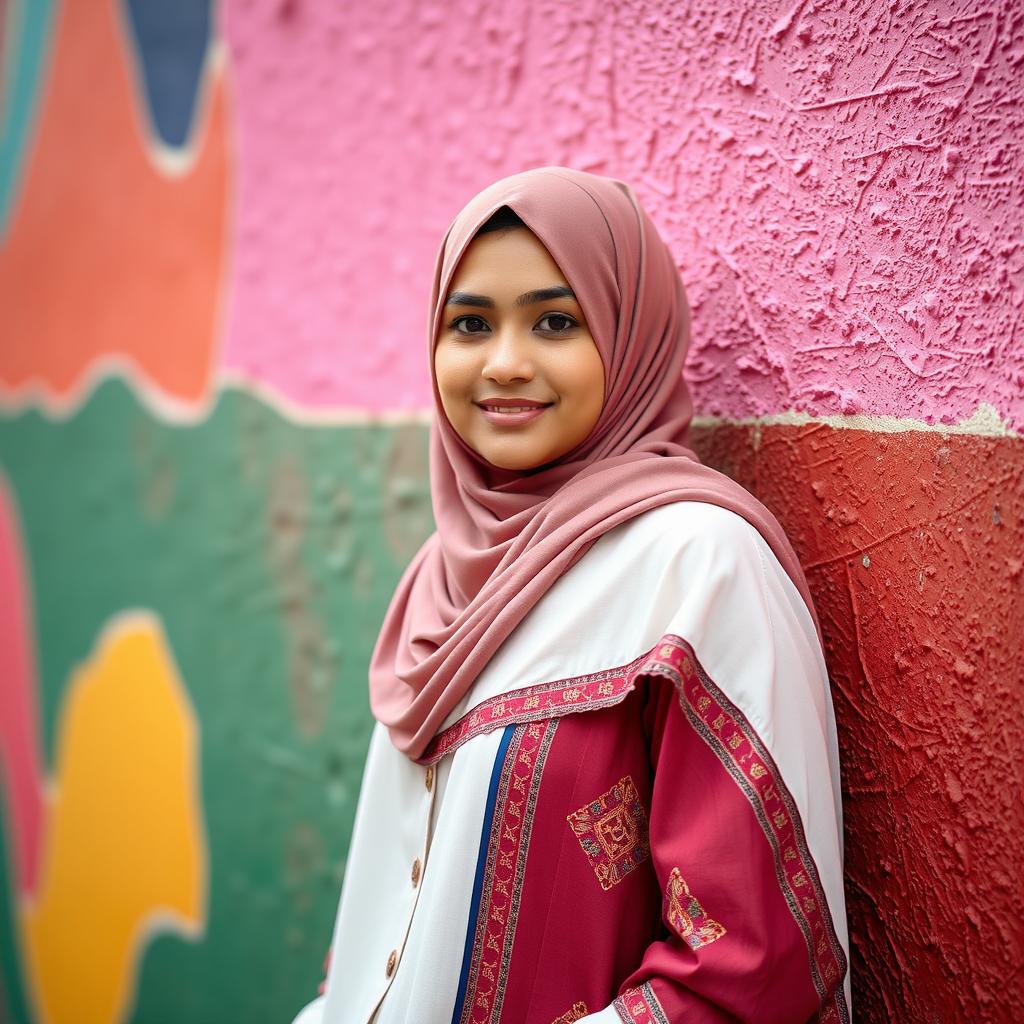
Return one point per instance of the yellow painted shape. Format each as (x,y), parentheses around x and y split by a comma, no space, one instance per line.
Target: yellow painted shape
(125,851)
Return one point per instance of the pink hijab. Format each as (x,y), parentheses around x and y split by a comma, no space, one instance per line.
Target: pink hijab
(504,537)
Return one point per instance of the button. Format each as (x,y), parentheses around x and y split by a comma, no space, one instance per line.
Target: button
(429,780)
(392,960)
(416,871)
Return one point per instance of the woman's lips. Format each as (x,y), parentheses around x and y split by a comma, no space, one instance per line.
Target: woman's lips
(500,418)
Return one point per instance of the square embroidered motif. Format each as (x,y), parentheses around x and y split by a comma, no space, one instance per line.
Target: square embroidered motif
(686,916)
(612,829)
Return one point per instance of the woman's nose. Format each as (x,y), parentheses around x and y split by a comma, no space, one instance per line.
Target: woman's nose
(508,356)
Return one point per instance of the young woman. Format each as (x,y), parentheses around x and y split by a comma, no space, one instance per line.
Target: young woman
(603,784)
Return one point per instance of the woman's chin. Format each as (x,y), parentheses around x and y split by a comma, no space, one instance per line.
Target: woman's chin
(514,461)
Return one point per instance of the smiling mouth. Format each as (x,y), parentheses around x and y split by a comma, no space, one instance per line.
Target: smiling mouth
(514,408)
(512,416)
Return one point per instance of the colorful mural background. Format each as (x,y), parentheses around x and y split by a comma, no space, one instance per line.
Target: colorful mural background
(217,226)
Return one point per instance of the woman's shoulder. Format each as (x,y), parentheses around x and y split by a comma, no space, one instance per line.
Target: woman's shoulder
(689,530)
(699,518)
(694,556)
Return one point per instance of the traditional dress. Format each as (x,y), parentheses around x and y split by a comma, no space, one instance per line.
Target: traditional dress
(604,783)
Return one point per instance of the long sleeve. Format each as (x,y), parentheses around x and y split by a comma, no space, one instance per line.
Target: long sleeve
(738,814)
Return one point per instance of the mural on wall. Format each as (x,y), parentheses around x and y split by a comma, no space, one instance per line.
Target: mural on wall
(214,267)
(105,205)
(113,843)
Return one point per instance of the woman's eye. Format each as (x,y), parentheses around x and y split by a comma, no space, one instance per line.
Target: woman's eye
(475,324)
(560,321)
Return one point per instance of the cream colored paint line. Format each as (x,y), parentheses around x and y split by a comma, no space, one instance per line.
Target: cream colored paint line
(985,421)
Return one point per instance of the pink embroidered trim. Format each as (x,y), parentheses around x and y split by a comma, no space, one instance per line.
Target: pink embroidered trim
(545,700)
(727,732)
(640,1006)
(511,827)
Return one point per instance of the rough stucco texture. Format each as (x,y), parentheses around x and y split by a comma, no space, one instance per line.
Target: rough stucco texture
(840,182)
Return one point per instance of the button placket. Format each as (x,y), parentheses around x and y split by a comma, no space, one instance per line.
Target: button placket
(416,874)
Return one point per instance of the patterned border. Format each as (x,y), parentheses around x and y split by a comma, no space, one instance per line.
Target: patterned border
(542,701)
(640,1006)
(511,827)
(735,742)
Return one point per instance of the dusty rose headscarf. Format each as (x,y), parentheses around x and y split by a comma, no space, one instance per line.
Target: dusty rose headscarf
(504,537)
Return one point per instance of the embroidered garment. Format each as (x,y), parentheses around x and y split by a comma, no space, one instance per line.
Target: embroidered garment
(634,815)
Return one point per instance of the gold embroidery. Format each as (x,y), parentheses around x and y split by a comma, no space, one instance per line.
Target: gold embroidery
(758,770)
(612,830)
(578,1010)
(686,916)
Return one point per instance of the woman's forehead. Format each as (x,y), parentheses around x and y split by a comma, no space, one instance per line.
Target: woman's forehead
(502,260)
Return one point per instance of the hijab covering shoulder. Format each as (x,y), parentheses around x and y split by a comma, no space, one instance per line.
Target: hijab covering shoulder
(504,537)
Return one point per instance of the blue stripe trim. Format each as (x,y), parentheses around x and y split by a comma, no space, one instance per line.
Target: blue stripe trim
(481,861)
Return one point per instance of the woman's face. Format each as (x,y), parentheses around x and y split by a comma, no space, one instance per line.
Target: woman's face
(512,332)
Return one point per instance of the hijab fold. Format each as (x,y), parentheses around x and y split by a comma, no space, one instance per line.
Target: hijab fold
(504,537)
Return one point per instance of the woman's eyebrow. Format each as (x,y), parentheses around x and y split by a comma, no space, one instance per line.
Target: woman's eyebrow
(469,299)
(560,291)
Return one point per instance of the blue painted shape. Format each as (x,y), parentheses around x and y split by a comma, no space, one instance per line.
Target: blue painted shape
(481,860)
(29,28)
(170,40)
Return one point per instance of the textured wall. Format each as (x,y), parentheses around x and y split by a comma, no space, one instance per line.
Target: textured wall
(239,227)
(839,182)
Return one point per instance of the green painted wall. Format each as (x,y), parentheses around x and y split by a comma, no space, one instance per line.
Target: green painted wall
(270,552)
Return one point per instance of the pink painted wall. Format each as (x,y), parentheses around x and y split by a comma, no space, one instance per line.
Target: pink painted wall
(840,183)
